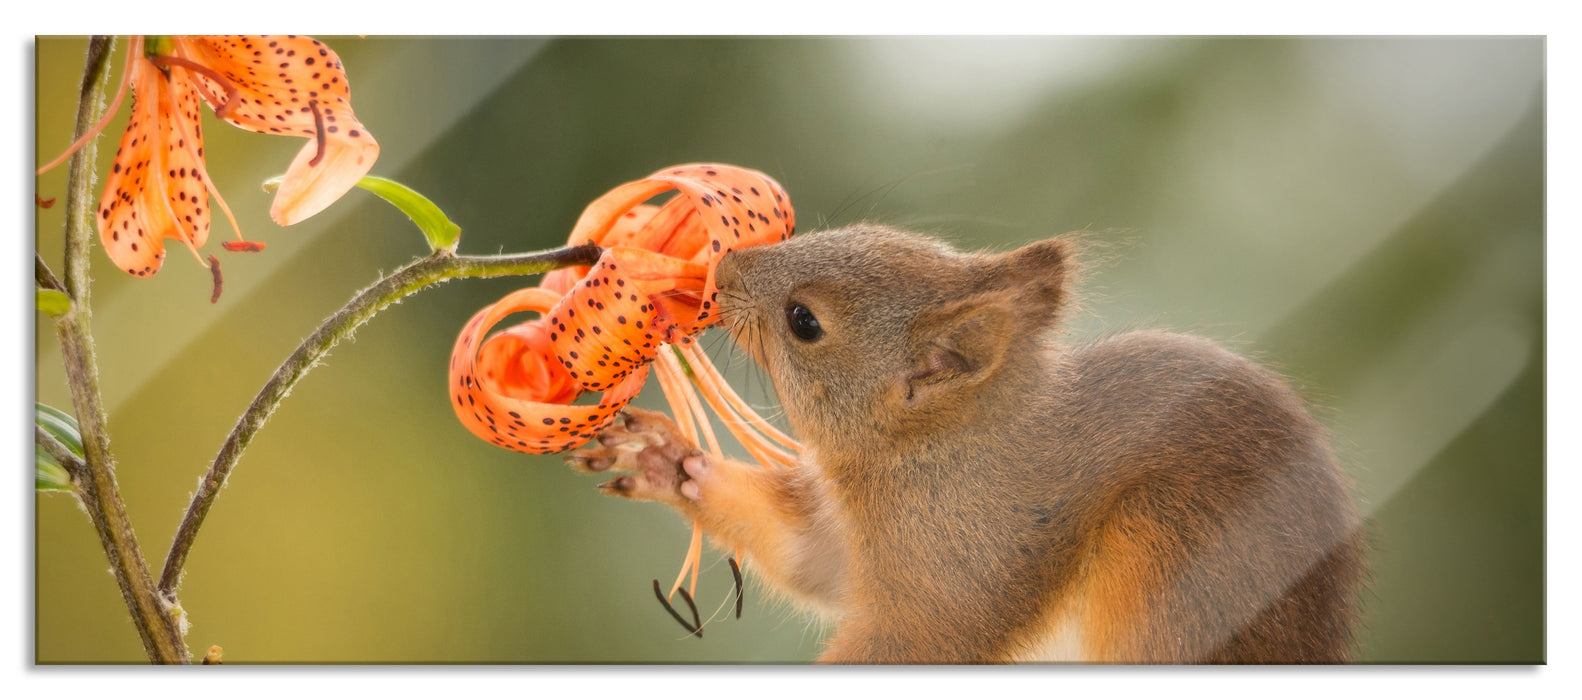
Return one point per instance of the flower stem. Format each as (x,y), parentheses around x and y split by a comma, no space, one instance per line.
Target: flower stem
(438,267)
(43,276)
(70,462)
(156,623)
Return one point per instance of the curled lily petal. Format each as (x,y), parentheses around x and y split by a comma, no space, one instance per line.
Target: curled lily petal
(624,232)
(718,208)
(748,207)
(516,366)
(319,176)
(616,318)
(598,337)
(525,416)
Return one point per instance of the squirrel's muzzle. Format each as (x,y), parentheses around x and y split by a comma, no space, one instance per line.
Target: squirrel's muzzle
(732,267)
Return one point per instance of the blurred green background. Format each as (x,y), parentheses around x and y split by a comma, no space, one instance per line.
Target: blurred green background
(1366,215)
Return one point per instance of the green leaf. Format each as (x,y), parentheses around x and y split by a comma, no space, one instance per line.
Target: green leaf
(60,425)
(440,231)
(438,228)
(51,302)
(48,475)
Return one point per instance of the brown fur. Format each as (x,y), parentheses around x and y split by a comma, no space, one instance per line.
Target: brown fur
(973,491)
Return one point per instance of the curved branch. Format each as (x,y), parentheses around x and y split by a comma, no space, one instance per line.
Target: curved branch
(442,265)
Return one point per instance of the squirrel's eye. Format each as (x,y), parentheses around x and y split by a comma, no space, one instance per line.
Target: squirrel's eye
(803,324)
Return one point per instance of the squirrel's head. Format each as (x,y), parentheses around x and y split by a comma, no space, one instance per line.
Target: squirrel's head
(871,332)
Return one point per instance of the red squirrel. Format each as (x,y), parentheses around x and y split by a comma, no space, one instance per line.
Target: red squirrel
(974,490)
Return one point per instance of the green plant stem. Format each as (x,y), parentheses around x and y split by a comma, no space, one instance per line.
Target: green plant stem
(157,624)
(438,267)
(43,276)
(73,464)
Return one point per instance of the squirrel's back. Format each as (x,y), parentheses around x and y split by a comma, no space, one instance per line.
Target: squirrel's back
(1215,523)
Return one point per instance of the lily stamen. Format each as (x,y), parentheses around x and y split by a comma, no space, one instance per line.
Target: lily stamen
(219,281)
(203,173)
(231,91)
(728,405)
(318,126)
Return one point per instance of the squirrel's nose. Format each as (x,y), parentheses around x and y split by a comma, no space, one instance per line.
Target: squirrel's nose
(727,274)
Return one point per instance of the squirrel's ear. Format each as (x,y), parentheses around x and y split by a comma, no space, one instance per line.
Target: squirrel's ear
(1035,275)
(957,346)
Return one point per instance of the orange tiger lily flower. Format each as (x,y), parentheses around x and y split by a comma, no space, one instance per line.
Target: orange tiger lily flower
(158,187)
(600,327)
(289,85)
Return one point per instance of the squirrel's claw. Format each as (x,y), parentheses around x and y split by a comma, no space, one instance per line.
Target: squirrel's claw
(592,460)
(620,486)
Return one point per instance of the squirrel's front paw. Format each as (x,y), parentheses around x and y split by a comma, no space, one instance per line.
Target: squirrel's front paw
(647,446)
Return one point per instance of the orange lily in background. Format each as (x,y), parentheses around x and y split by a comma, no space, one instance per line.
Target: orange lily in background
(158,187)
(600,327)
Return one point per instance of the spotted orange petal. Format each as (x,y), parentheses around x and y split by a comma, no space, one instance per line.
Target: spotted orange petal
(626,231)
(738,207)
(615,319)
(156,188)
(292,85)
(598,337)
(514,365)
(317,177)
(526,418)
(719,208)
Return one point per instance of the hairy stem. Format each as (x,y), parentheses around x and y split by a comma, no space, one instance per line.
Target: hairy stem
(156,623)
(438,267)
(73,464)
(43,276)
